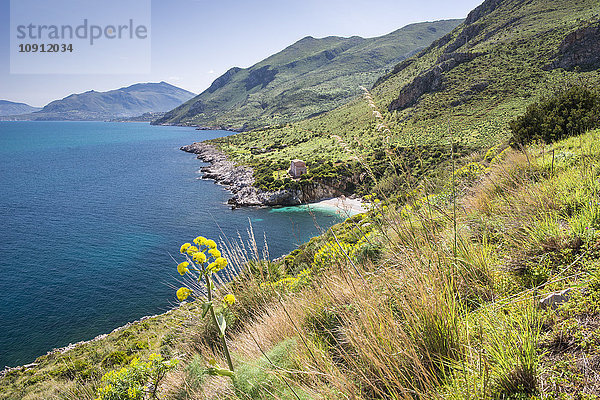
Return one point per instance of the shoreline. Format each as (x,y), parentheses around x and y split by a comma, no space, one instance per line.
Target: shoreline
(345,206)
(61,350)
(239,179)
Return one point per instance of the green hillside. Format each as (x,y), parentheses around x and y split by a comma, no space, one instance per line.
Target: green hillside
(469,84)
(128,101)
(307,78)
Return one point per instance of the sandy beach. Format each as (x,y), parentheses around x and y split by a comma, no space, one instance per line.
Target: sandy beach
(342,205)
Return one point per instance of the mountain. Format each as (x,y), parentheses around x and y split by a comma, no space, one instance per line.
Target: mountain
(125,102)
(307,78)
(465,87)
(12,108)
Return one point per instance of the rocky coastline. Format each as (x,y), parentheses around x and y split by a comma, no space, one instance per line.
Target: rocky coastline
(238,179)
(71,346)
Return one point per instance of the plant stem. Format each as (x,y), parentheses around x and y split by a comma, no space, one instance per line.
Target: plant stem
(214,319)
(453,187)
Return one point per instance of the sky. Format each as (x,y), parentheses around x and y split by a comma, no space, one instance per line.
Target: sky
(195,41)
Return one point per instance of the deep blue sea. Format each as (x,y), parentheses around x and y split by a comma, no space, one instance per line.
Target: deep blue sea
(89,212)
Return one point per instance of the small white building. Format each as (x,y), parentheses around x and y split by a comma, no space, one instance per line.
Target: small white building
(297,168)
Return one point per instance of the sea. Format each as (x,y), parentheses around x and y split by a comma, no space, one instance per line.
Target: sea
(92,215)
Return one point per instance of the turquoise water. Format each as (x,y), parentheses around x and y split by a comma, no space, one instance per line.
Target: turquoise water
(89,212)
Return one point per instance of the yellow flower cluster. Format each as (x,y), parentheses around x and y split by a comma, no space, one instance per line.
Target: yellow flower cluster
(217,265)
(183,293)
(330,253)
(198,260)
(200,241)
(184,247)
(199,257)
(471,171)
(191,250)
(182,268)
(229,299)
(134,393)
(491,153)
(131,382)
(292,283)
(498,157)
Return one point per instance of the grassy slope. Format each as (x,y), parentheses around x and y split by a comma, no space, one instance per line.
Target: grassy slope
(475,103)
(425,304)
(306,78)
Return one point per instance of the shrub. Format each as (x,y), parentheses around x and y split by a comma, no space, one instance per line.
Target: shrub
(569,112)
(115,358)
(136,381)
(74,369)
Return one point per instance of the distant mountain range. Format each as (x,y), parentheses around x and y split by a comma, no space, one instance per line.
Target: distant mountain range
(125,102)
(12,108)
(307,78)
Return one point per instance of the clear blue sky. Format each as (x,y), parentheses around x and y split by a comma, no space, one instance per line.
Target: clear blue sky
(195,41)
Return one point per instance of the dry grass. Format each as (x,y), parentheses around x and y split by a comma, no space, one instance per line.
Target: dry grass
(446,311)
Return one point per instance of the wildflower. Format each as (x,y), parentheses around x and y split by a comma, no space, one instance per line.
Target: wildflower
(183,293)
(199,257)
(215,253)
(211,244)
(191,250)
(184,247)
(229,299)
(200,241)
(133,393)
(221,263)
(182,268)
(212,267)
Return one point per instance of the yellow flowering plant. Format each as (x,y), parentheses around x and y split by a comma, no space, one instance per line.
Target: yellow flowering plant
(203,260)
(137,381)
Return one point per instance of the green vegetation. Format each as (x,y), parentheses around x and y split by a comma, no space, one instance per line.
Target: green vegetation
(472,82)
(305,79)
(568,113)
(77,373)
(336,174)
(139,380)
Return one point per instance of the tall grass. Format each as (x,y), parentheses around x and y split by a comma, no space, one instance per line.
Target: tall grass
(446,309)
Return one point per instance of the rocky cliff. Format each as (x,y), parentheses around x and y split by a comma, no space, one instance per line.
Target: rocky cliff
(429,81)
(580,49)
(238,179)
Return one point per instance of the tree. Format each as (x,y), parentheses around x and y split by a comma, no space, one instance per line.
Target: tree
(568,112)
